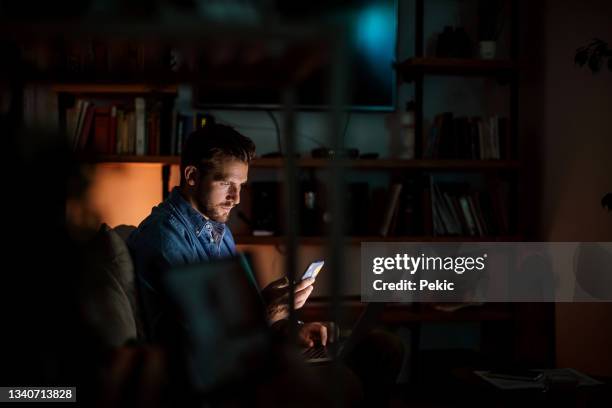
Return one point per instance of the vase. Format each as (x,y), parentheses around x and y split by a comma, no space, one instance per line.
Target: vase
(487,49)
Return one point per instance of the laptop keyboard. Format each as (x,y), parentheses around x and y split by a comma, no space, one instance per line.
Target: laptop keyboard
(315,352)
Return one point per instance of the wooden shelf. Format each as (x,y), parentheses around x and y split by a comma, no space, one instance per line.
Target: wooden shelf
(396,313)
(426,164)
(455,66)
(357,240)
(102,159)
(372,164)
(283,56)
(113,88)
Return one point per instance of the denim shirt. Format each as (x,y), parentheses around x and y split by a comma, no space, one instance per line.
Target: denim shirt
(173,234)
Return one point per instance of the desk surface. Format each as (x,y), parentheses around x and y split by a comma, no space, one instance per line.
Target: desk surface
(320,309)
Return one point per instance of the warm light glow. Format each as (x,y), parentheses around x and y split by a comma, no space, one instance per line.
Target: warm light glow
(126,193)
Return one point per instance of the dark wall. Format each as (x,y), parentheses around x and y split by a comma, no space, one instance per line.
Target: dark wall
(566,125)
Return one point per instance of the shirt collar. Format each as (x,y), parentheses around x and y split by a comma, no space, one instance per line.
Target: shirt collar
(214,230)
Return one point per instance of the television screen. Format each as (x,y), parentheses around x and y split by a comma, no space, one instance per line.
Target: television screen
(371,36)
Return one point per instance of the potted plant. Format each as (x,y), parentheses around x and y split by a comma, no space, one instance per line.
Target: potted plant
(490,25)
(594,54)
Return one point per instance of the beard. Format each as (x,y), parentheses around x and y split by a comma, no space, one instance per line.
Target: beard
(217,212)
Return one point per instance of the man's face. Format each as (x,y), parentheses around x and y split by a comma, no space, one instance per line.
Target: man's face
(219,191)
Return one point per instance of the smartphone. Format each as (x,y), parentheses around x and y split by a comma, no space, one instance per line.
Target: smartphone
(313,270)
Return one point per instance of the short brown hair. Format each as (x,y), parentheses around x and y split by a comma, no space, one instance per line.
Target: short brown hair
(207,146)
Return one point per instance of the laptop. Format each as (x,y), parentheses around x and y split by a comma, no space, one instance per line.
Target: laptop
(225,334)
(341,348)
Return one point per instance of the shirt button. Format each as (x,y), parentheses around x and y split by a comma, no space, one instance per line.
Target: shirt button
(208,226)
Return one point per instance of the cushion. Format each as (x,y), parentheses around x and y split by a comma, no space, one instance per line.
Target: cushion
(110,302)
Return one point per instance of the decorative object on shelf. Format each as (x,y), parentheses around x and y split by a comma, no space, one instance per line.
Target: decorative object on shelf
(487,49)
(454,43)
(266,208)
(444,42)
(490,25)
(407,135)
(323,152)
(311,212)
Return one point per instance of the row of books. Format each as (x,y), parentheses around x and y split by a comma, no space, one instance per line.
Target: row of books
(182,125)
(472,138)
(117,128)
(95,57)
(402,210)
(458,209)
(264,208)
(424,205)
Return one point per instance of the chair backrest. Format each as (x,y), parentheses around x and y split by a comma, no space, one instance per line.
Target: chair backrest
(112,306)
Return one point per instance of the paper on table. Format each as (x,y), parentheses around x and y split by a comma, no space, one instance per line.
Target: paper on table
(550,375)
(505,384)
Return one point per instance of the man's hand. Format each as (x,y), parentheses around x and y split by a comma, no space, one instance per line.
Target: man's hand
(276,294)
(312,333)
(303,289)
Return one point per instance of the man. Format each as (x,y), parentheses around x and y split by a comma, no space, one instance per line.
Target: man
(189,226)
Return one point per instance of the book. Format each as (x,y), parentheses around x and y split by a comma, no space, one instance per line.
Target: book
(131,133)
(82,110)
(410,216)
(477,220)
(87,127)
(495,149)
(112,132)
(392,204)
(72,116)
(140,126)
(101,129)
(465,207)
(121,132)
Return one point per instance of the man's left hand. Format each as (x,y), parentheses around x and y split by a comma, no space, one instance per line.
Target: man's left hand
(276,293)
(302,290)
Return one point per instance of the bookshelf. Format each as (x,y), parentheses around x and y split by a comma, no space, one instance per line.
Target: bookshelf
(357,240)
(365,164)
(413,70)
(411,67)
(457,146)
(97,88)
(162,83)
(519,332)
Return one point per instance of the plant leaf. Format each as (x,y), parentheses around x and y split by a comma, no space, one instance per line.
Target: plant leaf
(606,201)
(595,42)
(601,47)
(581,57)
(594,62)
